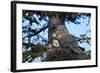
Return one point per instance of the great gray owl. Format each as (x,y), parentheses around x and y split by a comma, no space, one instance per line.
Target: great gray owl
(62,38)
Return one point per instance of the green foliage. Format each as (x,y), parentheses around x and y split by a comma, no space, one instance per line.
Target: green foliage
(30,53)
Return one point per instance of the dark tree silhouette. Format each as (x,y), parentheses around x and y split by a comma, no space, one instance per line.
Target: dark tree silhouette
(60,45)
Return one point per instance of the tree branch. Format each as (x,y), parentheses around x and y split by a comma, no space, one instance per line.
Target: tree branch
(37,31)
